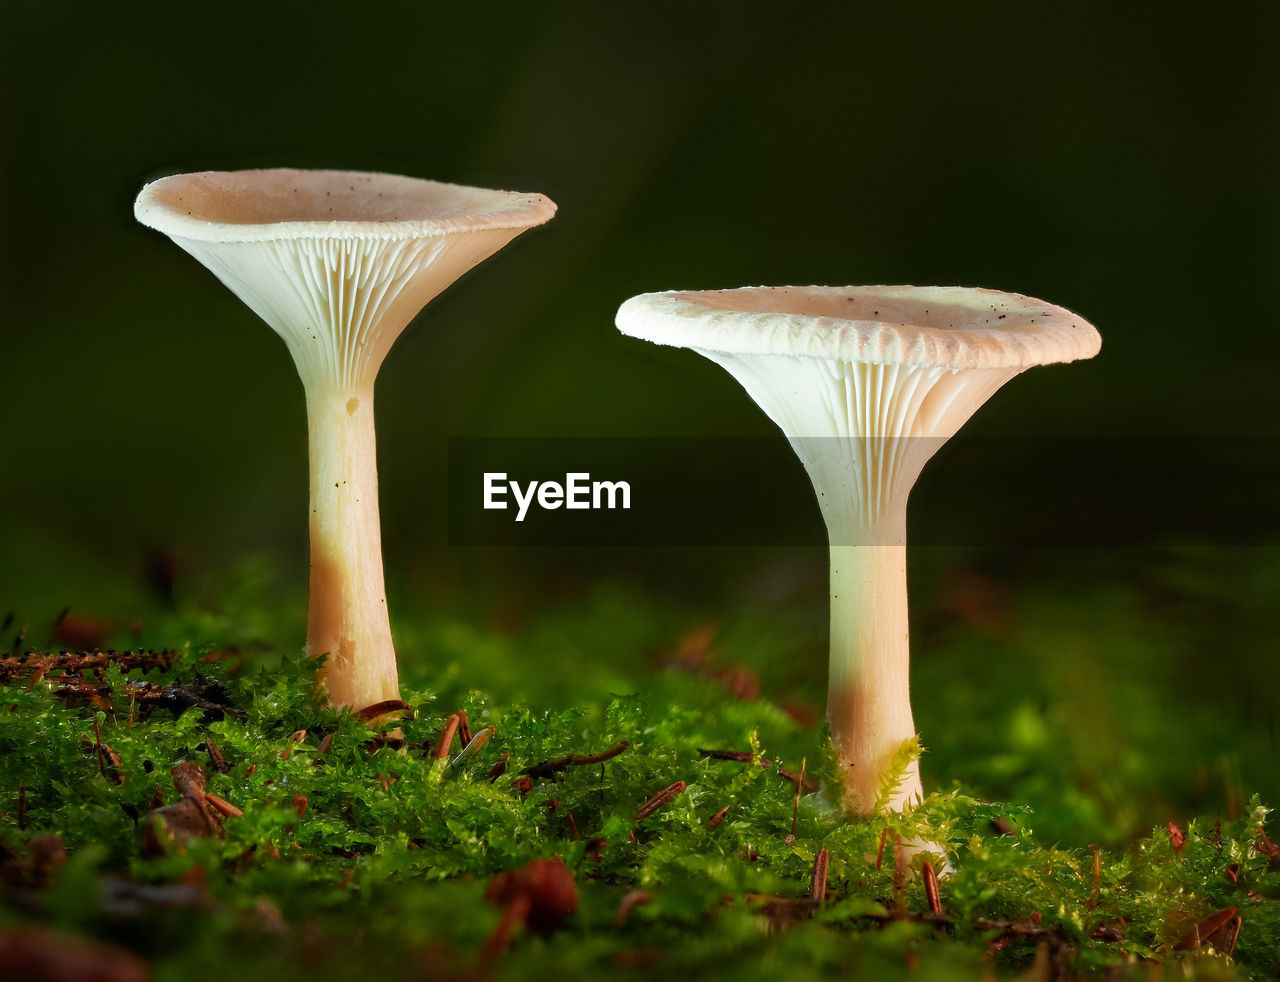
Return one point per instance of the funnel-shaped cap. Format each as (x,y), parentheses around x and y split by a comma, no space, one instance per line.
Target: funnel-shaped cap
(337,262)
(933,327)
(866,381)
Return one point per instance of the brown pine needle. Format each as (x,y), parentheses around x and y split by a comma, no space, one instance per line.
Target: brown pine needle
(663,797)
(1204,930)
(899,875)
(795,805)
(931,887)
(446,737)
(227,809)
(818,879)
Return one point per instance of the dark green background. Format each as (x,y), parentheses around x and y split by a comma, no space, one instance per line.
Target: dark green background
(1121,163)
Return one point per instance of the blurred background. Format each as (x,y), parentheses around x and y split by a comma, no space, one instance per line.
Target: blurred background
(1121,166)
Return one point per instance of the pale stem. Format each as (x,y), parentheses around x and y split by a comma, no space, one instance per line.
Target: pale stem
(348,614)
(868,698)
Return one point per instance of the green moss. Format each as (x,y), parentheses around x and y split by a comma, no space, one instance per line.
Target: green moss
(386,868)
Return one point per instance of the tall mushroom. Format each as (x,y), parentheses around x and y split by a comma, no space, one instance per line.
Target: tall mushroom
(338,263)
(866,382)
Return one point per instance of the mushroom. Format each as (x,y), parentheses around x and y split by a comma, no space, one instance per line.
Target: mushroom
(540,894)
(866,383)
(338,263)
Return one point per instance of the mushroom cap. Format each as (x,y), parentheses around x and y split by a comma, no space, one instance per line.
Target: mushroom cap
(937,326)
(283,203)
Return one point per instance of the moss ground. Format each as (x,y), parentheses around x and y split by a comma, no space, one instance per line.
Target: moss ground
(1099,763)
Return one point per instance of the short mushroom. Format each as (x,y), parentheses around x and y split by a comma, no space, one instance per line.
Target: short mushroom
(866,383)
(338,263)
(540,894)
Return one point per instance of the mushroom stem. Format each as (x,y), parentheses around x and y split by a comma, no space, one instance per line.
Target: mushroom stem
(868,699)
(347,619)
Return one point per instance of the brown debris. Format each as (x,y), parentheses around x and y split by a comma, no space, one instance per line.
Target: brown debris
(34,953)
(500,768)
(523,784)
(384,708)
(1013,931)
(741,756)
(189,778)
(1204,930)
(208,696)
(594,847)
(464,727)
(106,756)
(232,654)
(224,807)
(74,689)
(899,875)
(215,757)
(818,878)
(296,737)
(1097,878)
(1266,847)
(782,912)
(795,805)
(1229,935)
(82,662)
(299,804)
(1002,826)
(191,817)
(35,871)
(931,887)
(1111,934)
(808,787)
(634,899)
(445,742)
(549,768)
(663,797)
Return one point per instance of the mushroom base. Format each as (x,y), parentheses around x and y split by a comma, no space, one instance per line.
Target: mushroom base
(347,620)
(868,700)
